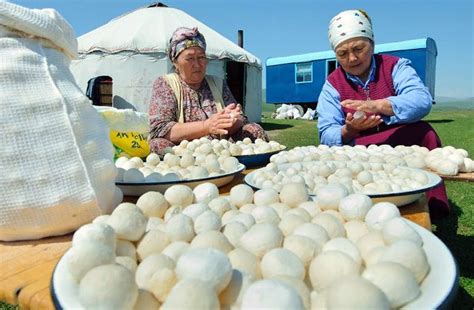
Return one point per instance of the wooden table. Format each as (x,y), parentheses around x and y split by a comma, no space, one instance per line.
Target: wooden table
(26,266)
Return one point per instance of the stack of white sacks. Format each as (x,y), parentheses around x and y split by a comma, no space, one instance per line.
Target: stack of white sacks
(288,111)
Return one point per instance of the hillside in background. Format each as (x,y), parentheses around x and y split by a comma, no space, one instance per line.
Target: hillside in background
(441,102)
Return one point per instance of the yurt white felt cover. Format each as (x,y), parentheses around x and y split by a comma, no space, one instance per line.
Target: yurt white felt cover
(132,49)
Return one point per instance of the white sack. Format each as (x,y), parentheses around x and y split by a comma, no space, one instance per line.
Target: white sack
(56,162)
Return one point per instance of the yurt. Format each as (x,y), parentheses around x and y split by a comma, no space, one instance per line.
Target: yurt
(132,50)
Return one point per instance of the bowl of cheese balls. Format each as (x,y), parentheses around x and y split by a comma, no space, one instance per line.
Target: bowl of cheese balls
(135,176)
(193,249)
(400,185)
(248,153)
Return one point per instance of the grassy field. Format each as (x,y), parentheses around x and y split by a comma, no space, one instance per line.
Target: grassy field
(455,127)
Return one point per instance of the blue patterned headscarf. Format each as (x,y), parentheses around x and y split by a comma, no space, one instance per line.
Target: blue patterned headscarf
(184,38)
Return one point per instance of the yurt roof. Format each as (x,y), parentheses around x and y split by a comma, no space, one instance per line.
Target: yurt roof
(147,30)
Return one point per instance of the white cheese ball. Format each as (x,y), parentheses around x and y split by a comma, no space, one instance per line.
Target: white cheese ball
(380,213)
(300,287)
(95,232)
(230,164)
(194,210)
(282,262)
(355,207)
(108,287)
(331,224)
(180,228)
(234,292)
(396,281)
(234,231)
(129,222)
(303,247)
(311,207)
(315,232)
(408,254)
(179,195)
(205,192)
(374,255)
(146,301)
(337,215)
(345,246)
(208,220)
(133,175)
(172,211)
(355,230)
(126,248)
(329,266)
(261,238)
(84,256)
(289,223)
(241,195)
(370,241)
(208,265)
(355,292)
(220,205)
(292,194)
(299,212)
(247,219)
(153,159)
(175,249)
(397,229)
(445,167)
(228,216)
(152,204)
(149,266)
(265,197)
(155,223)
(127,262)
(246,262)
(364,177)
(152,242)
(264,214)
(212,239)
(271,294)
(329,196)
(191,294)
(101,219)
(161,283)
(280,208)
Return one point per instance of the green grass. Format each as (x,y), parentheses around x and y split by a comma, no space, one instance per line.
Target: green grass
(457,230)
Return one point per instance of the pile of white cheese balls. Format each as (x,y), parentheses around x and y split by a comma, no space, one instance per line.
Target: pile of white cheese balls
(204,146)
(173,167)
(445,161)
(357,177)
(192,249)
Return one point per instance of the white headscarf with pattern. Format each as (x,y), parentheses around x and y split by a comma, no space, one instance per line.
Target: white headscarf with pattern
(349,24)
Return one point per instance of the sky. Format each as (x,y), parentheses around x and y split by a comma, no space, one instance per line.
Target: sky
(290,27)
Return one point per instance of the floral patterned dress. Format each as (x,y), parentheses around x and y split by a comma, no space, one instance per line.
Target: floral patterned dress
(198,105)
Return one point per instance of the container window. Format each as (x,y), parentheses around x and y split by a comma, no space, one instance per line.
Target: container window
(304,72)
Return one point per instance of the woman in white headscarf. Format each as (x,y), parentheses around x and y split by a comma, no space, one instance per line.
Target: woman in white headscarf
(374,99)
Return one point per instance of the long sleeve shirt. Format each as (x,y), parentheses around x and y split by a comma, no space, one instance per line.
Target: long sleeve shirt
(411,103)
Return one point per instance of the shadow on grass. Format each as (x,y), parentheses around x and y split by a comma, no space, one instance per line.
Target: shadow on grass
(274,126)
(462,248)
(439,121)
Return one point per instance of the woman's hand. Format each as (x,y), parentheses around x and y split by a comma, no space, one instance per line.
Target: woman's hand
(219,123)
(233,109)
(380,106)
(360,124)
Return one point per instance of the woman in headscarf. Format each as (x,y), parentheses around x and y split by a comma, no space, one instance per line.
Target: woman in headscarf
(374,99)
(189,104)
